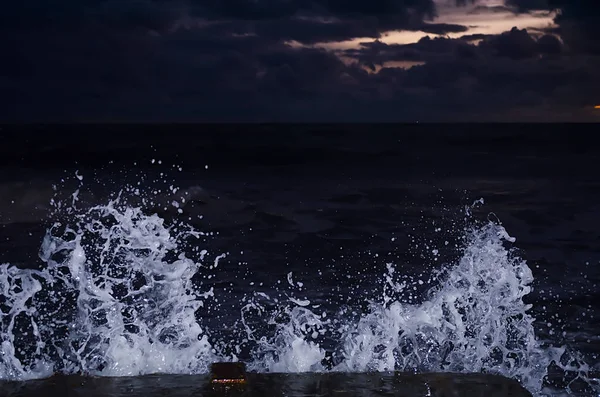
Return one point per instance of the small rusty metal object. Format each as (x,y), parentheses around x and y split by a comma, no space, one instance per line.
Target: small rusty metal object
(228,374)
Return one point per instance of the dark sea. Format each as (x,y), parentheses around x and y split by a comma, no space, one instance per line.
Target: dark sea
(133,257)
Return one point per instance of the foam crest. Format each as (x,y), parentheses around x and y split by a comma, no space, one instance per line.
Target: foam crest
(474,321)
(127,292)
(291,343)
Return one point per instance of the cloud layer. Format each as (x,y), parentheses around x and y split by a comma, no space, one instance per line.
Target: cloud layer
(579,21)
(255,60)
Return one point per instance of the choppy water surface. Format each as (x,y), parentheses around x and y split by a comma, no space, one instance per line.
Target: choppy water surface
(159,269)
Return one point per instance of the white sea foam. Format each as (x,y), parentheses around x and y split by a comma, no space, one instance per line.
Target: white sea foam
(133,309)
(474,321)
(117,297)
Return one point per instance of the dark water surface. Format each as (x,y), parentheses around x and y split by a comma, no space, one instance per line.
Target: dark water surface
(332,208)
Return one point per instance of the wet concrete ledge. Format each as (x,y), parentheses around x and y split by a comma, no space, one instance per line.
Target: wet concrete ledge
(274,385)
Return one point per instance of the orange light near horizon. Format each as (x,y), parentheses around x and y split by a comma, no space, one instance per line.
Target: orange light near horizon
(597,107)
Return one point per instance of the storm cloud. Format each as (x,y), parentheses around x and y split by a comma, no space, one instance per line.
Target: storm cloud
(243,60)
(578,21)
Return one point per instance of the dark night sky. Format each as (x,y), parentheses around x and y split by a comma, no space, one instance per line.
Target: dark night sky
(300,60)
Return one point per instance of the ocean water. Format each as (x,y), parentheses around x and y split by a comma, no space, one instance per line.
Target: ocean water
(130,255)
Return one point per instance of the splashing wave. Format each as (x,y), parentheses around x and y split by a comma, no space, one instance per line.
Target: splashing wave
(121,293)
